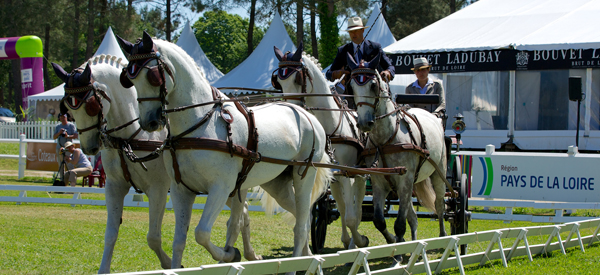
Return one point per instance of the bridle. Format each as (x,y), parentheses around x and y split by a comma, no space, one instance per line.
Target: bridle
(287,69)
(89,94)
(362,76)
(155,74)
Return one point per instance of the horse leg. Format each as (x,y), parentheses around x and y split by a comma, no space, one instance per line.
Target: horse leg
(338,194)
(236,221)
(412,222)
(157,200)
(303,189)
(352,217)
(439,186)
(404,205)
(359,188)
(218,194)
(249,253)
(115,194)
(380,191)
(183,201)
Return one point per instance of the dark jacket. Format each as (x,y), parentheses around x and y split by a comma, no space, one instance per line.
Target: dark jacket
(371,49)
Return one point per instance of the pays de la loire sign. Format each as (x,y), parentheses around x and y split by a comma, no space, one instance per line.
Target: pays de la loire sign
(549,177)
(500,60)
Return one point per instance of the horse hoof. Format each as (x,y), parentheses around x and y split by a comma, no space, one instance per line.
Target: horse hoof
(238,255)
(366,241)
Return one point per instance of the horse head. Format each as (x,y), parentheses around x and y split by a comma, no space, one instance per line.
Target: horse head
(81,92)
(367,87)
(145,59)
(290,64)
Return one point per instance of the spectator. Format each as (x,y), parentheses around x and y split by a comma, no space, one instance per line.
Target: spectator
(51,114)
(65,131)
(79,160)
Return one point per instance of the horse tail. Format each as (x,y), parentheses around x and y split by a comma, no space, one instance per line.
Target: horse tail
(269,204)
(425,194)
(322,181)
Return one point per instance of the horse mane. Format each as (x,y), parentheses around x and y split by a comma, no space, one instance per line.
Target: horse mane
(313,65)
(182,52)
(107,59)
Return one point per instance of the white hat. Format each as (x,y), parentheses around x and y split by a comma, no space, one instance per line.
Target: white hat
(68,143)
(420,63)
(355,23)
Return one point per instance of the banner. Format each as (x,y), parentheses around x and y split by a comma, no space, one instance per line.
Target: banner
(500,60)
(41,156)
(539,177)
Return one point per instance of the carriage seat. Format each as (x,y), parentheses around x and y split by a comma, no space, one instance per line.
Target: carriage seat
(98,173)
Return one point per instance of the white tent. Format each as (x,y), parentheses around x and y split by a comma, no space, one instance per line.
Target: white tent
(378,28)
(109,45)
(255,71)
(187,41)
(506,65)
(503,24)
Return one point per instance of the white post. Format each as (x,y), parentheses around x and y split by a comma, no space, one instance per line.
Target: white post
(22,153)
(511,103)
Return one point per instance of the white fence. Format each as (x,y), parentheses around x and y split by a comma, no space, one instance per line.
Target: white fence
(31,129)
(450,244)
(132,199)
(361,257)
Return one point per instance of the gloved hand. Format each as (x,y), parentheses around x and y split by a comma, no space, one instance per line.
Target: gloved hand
(386,75)
(339,73)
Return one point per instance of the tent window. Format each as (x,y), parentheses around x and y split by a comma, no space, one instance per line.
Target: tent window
(481,97)
(595,106)
(542,100)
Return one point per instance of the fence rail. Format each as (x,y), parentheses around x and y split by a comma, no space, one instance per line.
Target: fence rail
(31,129)
(450,244)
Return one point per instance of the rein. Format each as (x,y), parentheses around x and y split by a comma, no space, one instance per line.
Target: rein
(388,147)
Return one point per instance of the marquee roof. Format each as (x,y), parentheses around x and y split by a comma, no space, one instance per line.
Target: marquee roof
(255,71)
(509,24)
(109,46)
(188,42)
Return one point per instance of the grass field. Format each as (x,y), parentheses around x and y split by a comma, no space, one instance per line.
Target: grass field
(60,239)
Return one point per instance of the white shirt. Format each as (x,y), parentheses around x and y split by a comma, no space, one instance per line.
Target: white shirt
(422,90)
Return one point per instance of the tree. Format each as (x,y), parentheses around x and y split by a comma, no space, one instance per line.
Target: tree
(329,31)
(222,37)
(172,14)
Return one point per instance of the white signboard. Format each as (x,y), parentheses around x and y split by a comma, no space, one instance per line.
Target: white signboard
(3,48)
(26,75)
(536,176)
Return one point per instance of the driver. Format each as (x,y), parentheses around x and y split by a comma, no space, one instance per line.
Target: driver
(427,86)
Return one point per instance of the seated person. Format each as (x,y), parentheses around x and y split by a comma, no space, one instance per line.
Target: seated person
(424,85)
(82,165)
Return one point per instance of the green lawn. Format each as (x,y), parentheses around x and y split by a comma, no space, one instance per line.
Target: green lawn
(53,239)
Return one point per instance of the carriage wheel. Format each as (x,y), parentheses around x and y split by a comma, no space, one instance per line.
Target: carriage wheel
(461,223)
(318,225)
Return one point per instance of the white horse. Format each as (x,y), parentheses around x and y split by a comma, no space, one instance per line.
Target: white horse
(285,132)
(105,102)
(301,73)
(397,138)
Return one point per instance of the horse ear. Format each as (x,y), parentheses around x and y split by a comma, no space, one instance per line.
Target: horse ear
(374,63)
(298,54)
(63,107)
(351,63)
(148,43)
(86,76)
(126,45)
(278,53)
(60,72)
